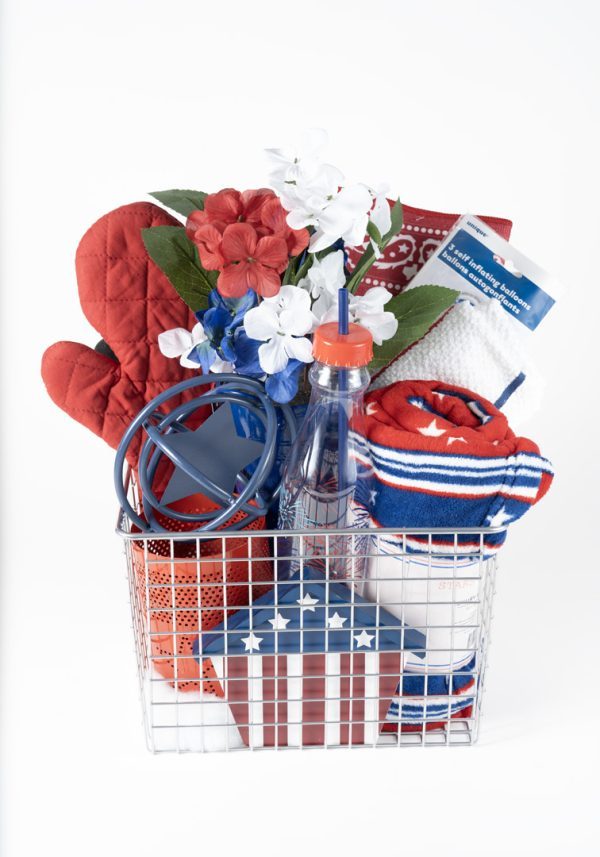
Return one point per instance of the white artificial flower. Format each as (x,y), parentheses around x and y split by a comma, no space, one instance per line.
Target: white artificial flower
(180,342)
(367,310)
(323,280)
(292,163)
(307,198)
(281,323)
(345,217)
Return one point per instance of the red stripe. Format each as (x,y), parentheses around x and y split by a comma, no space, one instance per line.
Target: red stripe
(358,697)
(313,705)
(344,699)
(236,689)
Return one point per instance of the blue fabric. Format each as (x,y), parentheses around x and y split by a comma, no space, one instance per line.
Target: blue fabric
(307,630)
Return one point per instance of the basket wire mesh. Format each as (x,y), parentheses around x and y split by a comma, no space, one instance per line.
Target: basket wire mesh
(185,590)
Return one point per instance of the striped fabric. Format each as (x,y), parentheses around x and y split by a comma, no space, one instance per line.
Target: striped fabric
(310,700)
(444,457)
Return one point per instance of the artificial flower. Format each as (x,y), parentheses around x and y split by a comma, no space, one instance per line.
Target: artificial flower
(222,318)
(281,324)
(293,163)
(274,222)
(251,262)
(283,386)
(228,206)
(323,280)
(367,310)
(345,217)
(305,199)
(192,347)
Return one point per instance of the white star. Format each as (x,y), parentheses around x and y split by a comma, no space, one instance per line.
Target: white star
(432,430)
(452,440)
(307,602)
(336,621)
(500,518)
(403,248)
(364,639)
(439,395)
(279,622)
(371,409)
(252,642)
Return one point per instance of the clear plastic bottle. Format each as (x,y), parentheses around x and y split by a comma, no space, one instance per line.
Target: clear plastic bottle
(326,479)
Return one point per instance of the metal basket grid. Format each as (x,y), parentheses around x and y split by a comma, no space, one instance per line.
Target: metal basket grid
(428,694)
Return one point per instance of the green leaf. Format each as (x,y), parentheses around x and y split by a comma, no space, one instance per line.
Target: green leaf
(181,201)
(416,310)
(374,233)
(177,257)
(397,215)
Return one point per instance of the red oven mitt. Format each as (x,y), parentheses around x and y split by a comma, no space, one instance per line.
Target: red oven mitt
(408,251)
(129,301)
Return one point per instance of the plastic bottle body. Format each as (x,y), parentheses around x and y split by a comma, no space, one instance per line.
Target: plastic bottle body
(327,475)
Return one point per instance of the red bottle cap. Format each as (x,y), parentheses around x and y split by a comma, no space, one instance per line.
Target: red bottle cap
(351,349)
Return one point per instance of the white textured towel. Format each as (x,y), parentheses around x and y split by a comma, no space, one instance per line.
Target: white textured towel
(477,346)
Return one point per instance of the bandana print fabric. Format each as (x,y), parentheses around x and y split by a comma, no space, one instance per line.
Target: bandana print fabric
(408,251)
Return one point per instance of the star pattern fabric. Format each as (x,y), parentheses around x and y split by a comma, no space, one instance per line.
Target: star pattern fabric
(312,615)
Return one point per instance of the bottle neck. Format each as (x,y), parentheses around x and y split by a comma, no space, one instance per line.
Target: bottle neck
(334,380)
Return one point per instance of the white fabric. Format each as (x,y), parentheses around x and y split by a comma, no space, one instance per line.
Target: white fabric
(477,346)
(188,721)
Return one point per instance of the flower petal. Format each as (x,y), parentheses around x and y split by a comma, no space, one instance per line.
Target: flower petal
(233,280)
(225,205)
(174,343)
(195,219)
(262,322)
(273,252)
(299,347)
(239,242)
(252,202)
(273,355)
(265,281)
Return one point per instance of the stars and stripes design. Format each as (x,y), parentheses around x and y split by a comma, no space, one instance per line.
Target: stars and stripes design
(444,457)
(310,663)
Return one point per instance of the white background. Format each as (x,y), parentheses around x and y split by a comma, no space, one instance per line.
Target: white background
(463,106)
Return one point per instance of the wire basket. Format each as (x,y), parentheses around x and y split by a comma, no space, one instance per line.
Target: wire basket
(253,639)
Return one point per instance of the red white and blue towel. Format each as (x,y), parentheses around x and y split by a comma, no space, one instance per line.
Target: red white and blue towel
(445,457)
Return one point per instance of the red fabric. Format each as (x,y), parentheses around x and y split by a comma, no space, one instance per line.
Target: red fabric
(407,252)
(129,301)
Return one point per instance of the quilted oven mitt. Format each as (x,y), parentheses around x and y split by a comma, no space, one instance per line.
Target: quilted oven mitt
(129,301)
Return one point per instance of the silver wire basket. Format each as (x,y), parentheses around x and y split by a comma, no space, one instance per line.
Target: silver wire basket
(260,639)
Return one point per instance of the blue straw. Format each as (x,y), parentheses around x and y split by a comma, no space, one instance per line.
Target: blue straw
(343,329)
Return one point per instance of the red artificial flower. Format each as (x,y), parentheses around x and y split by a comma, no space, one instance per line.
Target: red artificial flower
(229,206)
(251,262)
(252,255)
(273,217)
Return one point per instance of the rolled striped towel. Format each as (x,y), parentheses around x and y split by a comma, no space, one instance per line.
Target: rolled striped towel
(443,456)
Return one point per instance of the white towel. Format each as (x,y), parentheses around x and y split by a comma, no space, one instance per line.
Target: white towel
(477,346)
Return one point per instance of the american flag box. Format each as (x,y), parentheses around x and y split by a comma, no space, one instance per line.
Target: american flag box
(310,663)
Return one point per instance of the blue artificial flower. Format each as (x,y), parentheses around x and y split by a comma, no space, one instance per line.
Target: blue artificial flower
(204,355)
(223,317)
(246,354)
(283,386)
